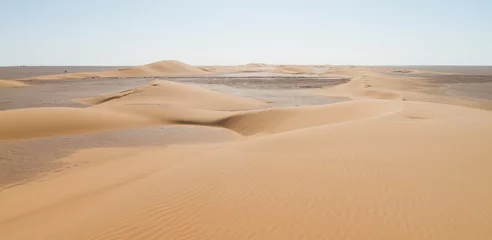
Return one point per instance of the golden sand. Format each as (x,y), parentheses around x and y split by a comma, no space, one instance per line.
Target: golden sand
(11,84)
(382,166)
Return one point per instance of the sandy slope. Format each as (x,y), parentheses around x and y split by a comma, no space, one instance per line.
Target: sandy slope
(10,84)
(278,120)
(373,168)
(162,68)
(161,102)
(375,83)
(161,92)
(43,122)
(420,171)
(364,84)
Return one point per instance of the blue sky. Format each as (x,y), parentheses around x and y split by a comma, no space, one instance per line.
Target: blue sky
(116,32)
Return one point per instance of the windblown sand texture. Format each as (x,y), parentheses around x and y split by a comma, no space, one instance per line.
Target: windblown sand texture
(381,166)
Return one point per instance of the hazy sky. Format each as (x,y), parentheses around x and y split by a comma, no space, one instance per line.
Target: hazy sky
(118,32)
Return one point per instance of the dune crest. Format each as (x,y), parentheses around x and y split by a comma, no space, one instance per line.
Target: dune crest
(169,67)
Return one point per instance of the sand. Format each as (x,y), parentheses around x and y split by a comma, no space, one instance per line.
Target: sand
(162,68)
(11,84)
(376,83)
(167,93)
(399,161)
(160,102)
(16,72)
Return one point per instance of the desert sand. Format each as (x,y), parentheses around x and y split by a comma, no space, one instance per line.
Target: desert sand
(399,160)
(10,84)
(162,68)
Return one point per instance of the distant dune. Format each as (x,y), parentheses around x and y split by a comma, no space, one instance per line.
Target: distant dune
(295,69)
(256,65)
(18,72)
(11,84)
(363,86)
(162,68)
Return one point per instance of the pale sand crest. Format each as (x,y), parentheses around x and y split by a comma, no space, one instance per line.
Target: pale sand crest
(373,168)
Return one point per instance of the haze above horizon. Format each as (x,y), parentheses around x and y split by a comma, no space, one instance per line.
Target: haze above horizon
(214,32)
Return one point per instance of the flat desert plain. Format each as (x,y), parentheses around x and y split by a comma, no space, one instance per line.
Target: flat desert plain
(256,151)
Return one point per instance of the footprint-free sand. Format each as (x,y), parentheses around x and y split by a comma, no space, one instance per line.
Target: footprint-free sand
(399,159)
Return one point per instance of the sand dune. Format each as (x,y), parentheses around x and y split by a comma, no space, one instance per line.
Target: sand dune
(420,171)
(44,122)
(363,85)
(182,104)
(375,83)
(295,69)
(176,94)
(256,65)
(373,168)
(11,83)
(162,68)
(250,67)
(262,67)
(223,69)
(164,102)
(161,102)
(287,119)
